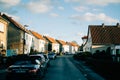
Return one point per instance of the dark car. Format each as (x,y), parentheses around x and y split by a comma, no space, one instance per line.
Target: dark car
(42,60)
(47,59)
(25,68)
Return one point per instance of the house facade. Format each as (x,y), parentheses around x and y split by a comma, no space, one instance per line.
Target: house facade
(3,36)
(76,46)
(38,42)
(28,42)
(73,47)
(15,36)
(53,45)
(63,46)
(102,37)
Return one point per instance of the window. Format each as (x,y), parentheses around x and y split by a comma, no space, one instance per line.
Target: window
(1,27)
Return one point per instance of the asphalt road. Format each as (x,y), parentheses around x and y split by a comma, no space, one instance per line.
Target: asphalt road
(60,69)
(63,69)
(2,75)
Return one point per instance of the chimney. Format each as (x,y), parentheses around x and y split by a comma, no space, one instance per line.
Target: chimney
(103,25)
(118,25)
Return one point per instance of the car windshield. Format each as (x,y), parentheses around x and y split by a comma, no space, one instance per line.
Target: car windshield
(26,62)
(35,57)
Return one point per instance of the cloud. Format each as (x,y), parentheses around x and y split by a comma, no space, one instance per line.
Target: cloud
(54,15)
(41,6)
(94,2)
(71,0)
(80,8)
(9,6)
(61,8)
(94,17)
(102,2)
(96,10)
(9,3)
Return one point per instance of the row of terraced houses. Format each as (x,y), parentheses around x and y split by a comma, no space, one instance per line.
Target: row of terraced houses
(16,39)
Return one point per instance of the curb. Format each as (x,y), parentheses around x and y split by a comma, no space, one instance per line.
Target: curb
(86,71)
(91,75)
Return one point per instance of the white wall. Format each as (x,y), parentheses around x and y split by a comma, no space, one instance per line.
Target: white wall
(76,48)
(35,43)
(41,45)
(99,47)
(88,45)
(71,49)
(66,48)
(28,44)
(55,46)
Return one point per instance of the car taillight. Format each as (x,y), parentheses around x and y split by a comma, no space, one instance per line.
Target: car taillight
(33,71)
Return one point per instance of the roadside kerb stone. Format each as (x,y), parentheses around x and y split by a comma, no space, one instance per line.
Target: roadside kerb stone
(87,72)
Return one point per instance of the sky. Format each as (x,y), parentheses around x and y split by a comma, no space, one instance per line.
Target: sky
(66,20)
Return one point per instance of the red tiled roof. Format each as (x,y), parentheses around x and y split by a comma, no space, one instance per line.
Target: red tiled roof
(73,44)
(37,35)
(52,40)
(15,22)
(105,35)
(62,42)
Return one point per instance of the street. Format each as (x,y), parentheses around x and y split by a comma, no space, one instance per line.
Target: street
(63,69)
(2,74)
(60,69)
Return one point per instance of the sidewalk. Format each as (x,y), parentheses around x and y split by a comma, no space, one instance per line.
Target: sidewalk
(87,72)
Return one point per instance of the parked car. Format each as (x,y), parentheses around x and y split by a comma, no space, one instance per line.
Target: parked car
(47,59)
(42,60)
(29,68)
(52,55)
(12,59)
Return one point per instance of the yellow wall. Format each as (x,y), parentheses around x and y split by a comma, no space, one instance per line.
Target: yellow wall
(3,34)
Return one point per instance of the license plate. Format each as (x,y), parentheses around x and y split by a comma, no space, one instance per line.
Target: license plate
(20,71)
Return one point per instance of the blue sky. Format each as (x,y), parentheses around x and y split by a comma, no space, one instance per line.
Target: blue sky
(66,20)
